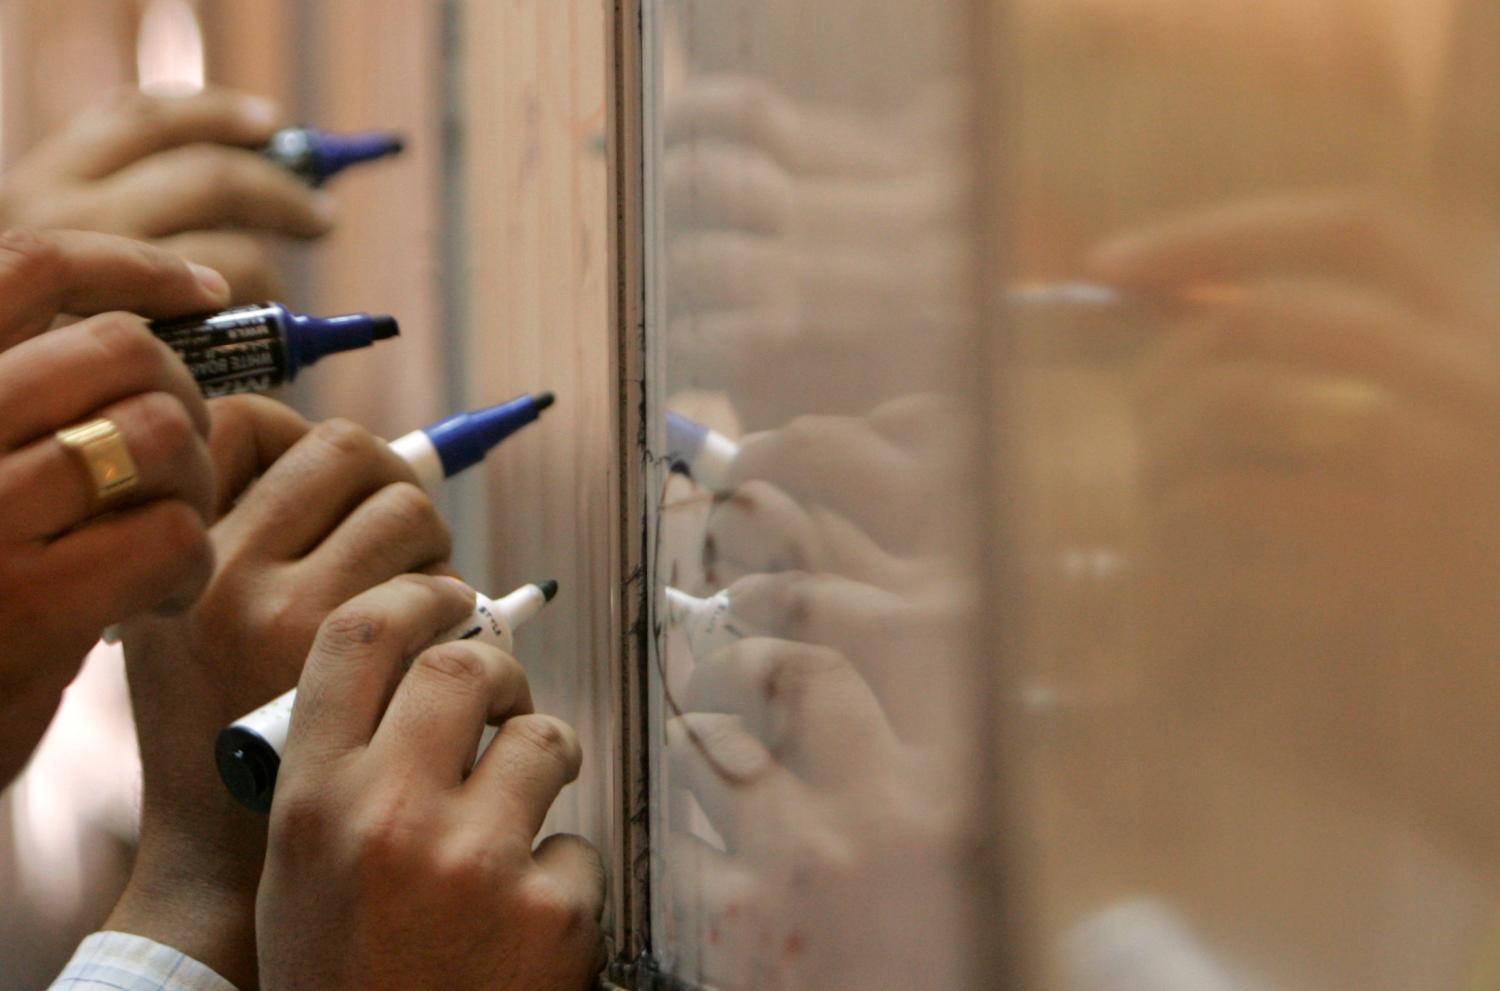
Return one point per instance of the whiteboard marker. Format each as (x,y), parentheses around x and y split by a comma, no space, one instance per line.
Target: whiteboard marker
(708,624)
(248,752)
(701,454)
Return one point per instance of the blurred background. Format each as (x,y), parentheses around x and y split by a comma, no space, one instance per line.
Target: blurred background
(1112,543)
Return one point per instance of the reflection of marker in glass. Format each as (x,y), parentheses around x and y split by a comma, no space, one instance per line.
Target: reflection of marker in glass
(256,348)
(707,623)
(248,752)
(317,156)
(1092,323)
(702,454)
(448,446)
(1097,295)
(451,445)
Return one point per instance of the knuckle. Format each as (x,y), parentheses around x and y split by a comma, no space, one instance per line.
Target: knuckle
(471,869)
(125,342)
(301,819)
(407,506)
(550,738)
(181,531)
(386,834)
(462,665)
(29,256)
(163,419)
(346,440)
(556,911)
(351,630)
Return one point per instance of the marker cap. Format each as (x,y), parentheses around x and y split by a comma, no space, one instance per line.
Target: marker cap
(247,764)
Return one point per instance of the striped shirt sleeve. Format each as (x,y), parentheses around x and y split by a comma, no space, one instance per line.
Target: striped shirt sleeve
(111,961)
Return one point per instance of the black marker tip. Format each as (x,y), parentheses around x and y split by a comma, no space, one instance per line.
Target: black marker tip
(549,589)
(543,400)
(397,145)
(383,327)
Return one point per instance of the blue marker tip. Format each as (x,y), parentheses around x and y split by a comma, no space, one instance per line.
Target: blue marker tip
(318,156)
(310,338)
(463,439)
(684,440)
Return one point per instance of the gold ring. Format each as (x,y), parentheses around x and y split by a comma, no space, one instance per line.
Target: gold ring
(101,450)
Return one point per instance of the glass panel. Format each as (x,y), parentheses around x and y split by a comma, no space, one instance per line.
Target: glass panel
(1253,391)
(810,273)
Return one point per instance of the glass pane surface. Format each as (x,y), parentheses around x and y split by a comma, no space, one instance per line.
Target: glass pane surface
(1251,384)
(811,300)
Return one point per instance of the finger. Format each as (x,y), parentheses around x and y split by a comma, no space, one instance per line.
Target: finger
(813,713)
(243,260)
(431,729)
(359,655)
(726,270)
(395,531)
(574,871)
(153,558)
(531,760)
(837,462)
(1326,329)
(1248,417)
(866,624)
(918,422)
(45,491)
(46,273)
(736,781)
(208,187)
(61,378)
(309,490)
(247,435)
(723,185)
(758,529)
(575,867)
(137,124)
(1346,237)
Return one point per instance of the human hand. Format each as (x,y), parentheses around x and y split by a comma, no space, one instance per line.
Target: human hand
(824,815)
(889,477)
(798,235)
(183,171)
(308,518)
(1352,390)
(1306,452)
(68,569)
(391,863)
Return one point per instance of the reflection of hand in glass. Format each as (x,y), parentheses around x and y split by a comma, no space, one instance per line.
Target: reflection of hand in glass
(1348,403)
(1322,467)
(800,236)
(823,814)
(890,475)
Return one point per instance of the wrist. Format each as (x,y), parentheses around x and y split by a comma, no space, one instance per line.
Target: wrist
(196,903)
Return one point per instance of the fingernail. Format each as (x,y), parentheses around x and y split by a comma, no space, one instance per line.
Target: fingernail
(260,112)
(214,283)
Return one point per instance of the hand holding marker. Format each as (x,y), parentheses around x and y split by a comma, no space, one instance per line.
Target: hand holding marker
(249,751)
(450,445)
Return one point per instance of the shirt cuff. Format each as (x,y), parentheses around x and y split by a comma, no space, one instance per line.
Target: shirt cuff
(111,961)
